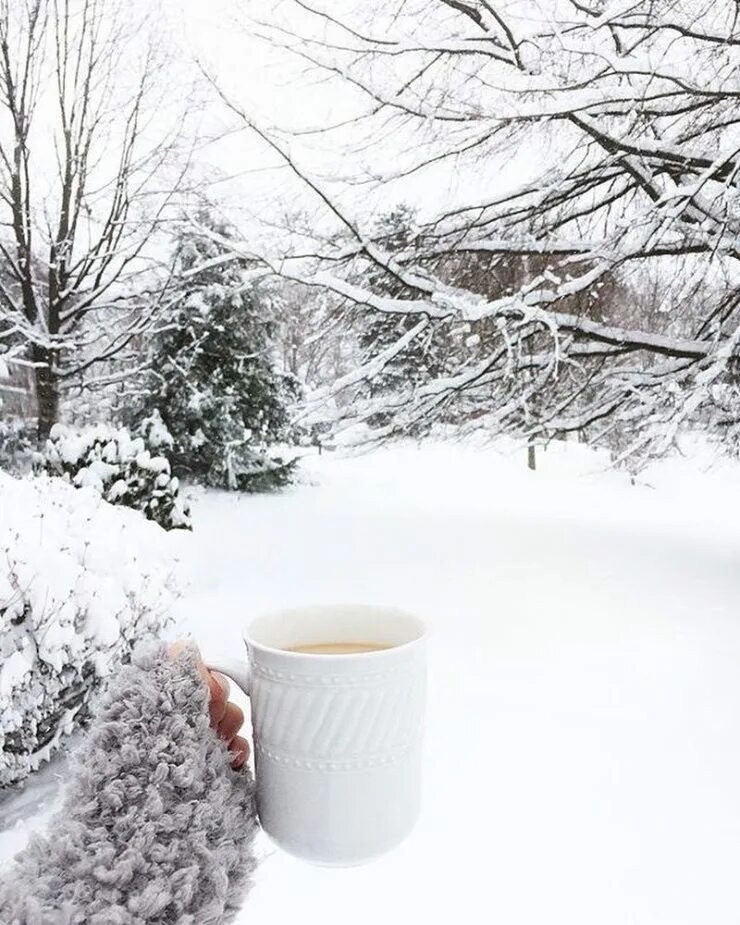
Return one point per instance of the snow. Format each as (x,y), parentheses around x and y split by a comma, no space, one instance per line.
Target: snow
(145,460)
(582,755)
(157,434)
(95,475)
(76,576)
(14,669)
(118,466)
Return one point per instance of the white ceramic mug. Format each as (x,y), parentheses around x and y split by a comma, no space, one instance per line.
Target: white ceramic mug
(337,738)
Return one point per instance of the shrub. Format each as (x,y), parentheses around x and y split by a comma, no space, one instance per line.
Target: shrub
(80,582)
(124,469)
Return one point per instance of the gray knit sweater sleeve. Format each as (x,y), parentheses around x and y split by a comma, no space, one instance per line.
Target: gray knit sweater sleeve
(155,827)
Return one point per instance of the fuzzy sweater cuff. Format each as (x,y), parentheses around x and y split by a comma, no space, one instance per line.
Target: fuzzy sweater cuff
(155,827)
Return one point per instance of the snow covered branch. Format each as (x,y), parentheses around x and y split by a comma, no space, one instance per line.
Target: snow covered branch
(597,282)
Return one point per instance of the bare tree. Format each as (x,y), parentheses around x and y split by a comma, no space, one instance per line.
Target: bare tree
(86,138)
(624,120)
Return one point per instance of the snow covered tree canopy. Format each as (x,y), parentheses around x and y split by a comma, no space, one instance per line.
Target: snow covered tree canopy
(589,144)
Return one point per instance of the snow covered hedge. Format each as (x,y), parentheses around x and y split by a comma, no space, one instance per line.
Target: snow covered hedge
(80,581)
(124,469)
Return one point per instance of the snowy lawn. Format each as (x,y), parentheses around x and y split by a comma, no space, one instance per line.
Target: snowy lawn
(583,754)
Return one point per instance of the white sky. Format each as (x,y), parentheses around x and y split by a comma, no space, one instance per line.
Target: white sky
(276,90)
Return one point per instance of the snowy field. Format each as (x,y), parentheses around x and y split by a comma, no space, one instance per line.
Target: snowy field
(583,754)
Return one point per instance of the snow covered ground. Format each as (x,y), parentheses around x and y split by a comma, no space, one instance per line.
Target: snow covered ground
(582,751)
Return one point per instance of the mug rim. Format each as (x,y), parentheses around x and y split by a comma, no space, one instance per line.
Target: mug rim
(419,625)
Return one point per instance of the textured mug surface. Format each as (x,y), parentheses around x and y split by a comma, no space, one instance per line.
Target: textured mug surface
(337,737)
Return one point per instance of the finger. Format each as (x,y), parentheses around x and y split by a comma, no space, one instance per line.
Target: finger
(239,748)
(231,722)
(223,682)
(219,691)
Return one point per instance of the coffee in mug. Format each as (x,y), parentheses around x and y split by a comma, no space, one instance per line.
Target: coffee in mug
(337,700)
(338,648)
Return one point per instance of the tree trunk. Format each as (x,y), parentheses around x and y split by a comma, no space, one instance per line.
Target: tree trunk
(531,459)
(47,390)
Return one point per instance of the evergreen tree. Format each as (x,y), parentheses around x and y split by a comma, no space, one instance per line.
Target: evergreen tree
(213,378)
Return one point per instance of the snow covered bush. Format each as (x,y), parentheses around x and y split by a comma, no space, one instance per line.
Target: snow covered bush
(80,582)
(124,469)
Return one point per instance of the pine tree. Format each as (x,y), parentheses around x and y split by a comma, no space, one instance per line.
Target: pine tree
(213,378)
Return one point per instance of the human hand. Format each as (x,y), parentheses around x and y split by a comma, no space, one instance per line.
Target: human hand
(226,717)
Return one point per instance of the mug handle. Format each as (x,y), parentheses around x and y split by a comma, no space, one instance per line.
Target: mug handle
(233,668)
